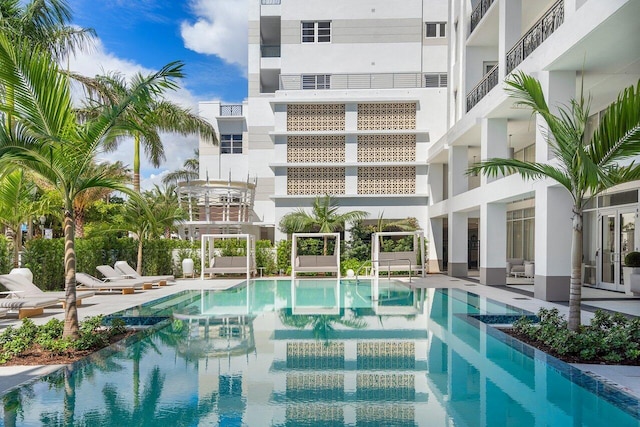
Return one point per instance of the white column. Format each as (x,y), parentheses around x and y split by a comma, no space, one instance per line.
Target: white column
(434,238)
(458,230)
(559,88)
(494,143)
(509,31)
(458,165)
(435,182)
(493,243)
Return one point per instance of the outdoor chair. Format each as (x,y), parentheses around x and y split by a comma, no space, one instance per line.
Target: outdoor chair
(126,270)
(110,273)
(127,286)
(20,285)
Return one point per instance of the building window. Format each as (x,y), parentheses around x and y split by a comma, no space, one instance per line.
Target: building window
(231,144)
(436,29)
(316,81)
(316,32)
(435,80)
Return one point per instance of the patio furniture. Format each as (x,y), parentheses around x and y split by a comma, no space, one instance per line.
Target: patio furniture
(315,263)
(19,283)
(126,270)
(25,306)
(110,274)
(127,286)
(515,266)
(411,261)
(214,263)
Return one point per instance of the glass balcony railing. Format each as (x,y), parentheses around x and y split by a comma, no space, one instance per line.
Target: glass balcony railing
(270,51)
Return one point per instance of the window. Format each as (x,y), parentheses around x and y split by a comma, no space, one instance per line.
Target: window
(316,32)
(435,80)
(231,144)
(436,29)
(316,81)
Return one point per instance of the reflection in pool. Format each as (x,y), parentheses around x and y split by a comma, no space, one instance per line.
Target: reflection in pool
(319,352)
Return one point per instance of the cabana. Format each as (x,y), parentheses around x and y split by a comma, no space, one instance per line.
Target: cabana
(411,261)
(315,263)
(213,262)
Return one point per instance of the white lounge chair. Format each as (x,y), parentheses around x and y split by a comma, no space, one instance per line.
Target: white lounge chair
(126,270)
(110,275)
(19,284)
(127,286)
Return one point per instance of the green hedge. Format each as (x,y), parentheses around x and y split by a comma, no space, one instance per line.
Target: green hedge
(6,255)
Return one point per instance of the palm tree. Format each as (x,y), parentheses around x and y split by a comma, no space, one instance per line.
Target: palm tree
(190,171)
(585,165)
(48,138)
(324,218)
(146,117)
(165,204)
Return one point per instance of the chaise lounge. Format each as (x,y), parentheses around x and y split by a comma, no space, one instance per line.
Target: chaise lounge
(23,288)
(127,286)
(126,270)
(110,274)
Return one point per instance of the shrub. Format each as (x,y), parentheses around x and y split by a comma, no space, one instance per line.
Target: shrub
(284,256)
(265,256)
(632,259)
(351,263)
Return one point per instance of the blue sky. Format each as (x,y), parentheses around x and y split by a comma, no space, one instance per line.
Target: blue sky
(209,36)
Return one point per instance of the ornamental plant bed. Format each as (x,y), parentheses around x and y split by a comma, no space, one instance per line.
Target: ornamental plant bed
(610,339)
(43,345)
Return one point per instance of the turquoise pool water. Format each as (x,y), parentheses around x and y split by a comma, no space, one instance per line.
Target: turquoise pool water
(320,353)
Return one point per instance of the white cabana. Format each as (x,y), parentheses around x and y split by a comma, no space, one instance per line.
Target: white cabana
(213,262)
(315,263)
(411,261)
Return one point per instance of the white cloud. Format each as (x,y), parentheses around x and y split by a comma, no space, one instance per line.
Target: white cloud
(220,29)
(177,148)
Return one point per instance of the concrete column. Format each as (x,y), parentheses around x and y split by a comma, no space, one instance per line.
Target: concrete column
(458,231)
(553,243)
(435,182)
(494,143)
(493,243)
(458,165)
(351,117)
(509,31)
(351,149)
(559,88)
(434,237)
(351,180)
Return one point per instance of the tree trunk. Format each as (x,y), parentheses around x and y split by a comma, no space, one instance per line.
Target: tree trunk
(326,245)
(575,292)
(79,220)
(139,266)
(136,163)
(69,396)
(70,309)
(16,247)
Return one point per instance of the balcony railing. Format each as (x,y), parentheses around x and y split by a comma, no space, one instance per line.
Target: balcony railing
(479,11)
(538,33)
(357,81)
(231,110)
(487,83)
(270,51)
(268,2)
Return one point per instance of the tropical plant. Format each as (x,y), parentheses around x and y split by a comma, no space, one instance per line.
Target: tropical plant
(321,324)
(585,165)
(324,218)
(189,172)
(47,137)
(166,207)
(146,116)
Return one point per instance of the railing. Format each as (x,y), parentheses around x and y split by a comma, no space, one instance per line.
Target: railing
(479,11)
(267,2)
(269,51)
(537,34)
(231,110)
(359,81)
(487,83)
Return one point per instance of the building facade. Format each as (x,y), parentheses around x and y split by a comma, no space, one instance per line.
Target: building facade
(344,99)
(481,222)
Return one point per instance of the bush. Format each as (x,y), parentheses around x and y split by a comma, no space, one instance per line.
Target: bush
(350,263)
(284,256)
(632,259)
(265,256)
(6,261)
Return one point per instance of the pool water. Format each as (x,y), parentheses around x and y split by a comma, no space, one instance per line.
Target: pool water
(320,353)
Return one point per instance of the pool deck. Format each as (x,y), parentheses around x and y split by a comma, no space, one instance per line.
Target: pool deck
(624,377)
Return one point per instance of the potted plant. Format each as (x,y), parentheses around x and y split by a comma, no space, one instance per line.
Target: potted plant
(631,266)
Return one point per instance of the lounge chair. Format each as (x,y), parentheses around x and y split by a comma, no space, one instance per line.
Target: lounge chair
(126,270)
(25,306)
(110,274)
(18,283)
(127,286)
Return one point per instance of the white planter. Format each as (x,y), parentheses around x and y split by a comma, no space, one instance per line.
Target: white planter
(187,267)
(626,277)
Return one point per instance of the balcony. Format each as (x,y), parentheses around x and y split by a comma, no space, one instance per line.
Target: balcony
(270,51)
(488,82)
(536,35)
(231,110)
(359,81)
(268,2)
(478,13)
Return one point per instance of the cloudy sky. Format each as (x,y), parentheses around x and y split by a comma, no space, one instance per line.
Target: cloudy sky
(209,36)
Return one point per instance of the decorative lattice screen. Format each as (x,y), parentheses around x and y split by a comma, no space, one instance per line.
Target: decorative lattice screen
(315,181)
(387,180)
(315,117)
(387,116)
(307,149)
(386,148)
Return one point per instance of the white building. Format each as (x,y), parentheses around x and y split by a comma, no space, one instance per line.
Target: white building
(385,105)
(480,222)
(344,99)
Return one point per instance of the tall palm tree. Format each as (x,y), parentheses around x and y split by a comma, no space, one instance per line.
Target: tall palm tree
(17,206)
(585,165)
(146,117)
(189,172)
(166,206)
(49,139)
(324,218)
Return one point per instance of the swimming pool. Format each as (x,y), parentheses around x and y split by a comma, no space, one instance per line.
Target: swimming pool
(320,352)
